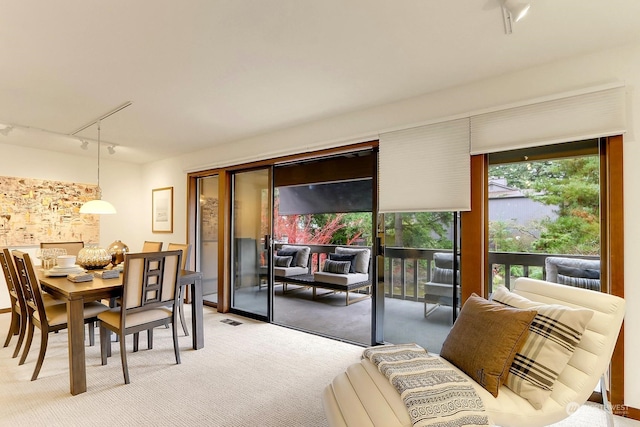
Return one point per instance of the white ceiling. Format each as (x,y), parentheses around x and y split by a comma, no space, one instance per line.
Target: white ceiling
(206,72)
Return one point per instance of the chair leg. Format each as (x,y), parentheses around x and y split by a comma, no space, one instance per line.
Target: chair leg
(92,333)
(136,340)
(150,338)
(13,327)
(105,344)
(176,348)
(44,339)
(123,357)
(181,311)
(27,345)
(23,330)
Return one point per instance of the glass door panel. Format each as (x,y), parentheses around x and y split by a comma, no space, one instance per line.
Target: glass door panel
(250,226)
(420,285)
(207,237)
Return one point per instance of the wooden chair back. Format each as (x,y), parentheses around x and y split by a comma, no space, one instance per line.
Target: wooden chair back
(72,248)
(151,246)
(185,248)
(10,276)
(150,280)
(29,284)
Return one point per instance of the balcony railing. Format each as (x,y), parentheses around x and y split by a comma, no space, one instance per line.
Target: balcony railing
(406,270)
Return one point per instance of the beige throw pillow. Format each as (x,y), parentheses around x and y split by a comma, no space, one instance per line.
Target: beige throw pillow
(553,336)
(484,340)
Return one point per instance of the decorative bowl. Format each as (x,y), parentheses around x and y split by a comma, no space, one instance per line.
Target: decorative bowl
(93,258)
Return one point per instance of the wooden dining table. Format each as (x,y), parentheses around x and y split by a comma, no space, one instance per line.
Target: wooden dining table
(77,294)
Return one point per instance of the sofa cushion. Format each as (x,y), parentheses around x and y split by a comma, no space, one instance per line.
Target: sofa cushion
(337,267)
(553,336)
(345,257)
(289,271)
(484,340)
(282,261)
(301,258)
(362,257)
(340,279)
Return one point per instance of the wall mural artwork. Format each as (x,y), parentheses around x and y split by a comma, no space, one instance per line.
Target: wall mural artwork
(35,210)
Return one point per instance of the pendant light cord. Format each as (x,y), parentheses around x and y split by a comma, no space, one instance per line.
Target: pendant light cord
(99,190)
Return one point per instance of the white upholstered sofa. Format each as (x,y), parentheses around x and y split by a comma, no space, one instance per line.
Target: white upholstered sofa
(362,396)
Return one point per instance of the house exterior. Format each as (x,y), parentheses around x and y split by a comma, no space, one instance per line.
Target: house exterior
(129,186)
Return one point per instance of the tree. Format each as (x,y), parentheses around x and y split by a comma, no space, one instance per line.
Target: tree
(419,230)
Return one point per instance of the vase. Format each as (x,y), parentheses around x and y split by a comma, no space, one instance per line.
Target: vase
(93,258)
(117,250)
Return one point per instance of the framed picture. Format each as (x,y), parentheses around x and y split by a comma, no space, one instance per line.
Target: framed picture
(162,210)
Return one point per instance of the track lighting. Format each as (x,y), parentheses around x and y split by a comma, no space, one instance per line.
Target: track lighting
(7,129)
(84,144)
(513,11)
(111,149)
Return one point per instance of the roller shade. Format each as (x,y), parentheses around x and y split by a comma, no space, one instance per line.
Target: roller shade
(425,168)
(570,117)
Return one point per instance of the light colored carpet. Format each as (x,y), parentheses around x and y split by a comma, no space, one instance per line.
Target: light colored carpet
(253,374)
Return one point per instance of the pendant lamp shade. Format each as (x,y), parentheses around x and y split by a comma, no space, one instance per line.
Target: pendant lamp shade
(98,206)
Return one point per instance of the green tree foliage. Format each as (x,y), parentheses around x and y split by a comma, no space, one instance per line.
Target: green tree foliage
(419,230)
(572,186)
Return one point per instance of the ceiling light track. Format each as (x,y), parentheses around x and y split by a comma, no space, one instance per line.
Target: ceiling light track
(102,117)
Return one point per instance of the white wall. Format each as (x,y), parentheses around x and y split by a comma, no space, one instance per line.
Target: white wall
(617,65)
(121,184)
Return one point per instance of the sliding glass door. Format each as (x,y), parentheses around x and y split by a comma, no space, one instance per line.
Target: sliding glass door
(251,213)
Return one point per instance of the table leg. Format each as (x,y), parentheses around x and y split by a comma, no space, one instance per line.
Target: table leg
(196,314)
(77,363)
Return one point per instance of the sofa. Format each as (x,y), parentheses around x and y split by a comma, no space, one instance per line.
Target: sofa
(578,272)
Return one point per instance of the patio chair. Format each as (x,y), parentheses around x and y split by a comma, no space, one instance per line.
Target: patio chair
(48,318)
(150,294)
(439,290)
(578,272)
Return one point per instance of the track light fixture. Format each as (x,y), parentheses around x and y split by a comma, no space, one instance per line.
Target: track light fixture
(111,149)
(513,11)
(84,144)
(7,129)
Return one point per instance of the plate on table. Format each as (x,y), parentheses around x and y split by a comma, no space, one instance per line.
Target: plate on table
(63,271)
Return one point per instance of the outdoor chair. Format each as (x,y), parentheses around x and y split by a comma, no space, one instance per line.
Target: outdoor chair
(150,294)
(578,272)
(439,290)
(47,317)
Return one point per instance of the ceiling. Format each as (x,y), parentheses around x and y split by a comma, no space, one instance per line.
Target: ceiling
(205,72)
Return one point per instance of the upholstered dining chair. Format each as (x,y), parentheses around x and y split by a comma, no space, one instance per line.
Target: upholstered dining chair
(149,297)
(48,318)
(148,246)
(72,248)
(185,248)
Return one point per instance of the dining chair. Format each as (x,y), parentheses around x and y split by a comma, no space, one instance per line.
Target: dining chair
(48,318)
(151,246)
(149,297)
(72,248)
(18,324)
(185,248)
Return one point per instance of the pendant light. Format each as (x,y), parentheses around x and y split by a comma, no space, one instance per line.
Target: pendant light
(98,206)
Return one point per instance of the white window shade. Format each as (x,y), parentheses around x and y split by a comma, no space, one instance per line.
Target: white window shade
(597,113)
(425,168)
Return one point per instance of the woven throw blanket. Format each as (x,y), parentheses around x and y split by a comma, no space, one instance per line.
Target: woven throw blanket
(435,394)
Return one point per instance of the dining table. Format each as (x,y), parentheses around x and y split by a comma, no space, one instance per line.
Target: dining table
(77,294)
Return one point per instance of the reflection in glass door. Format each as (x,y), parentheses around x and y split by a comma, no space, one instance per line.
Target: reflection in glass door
(207,237)
(250,231)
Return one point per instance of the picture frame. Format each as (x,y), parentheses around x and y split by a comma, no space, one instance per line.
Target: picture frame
(162,210)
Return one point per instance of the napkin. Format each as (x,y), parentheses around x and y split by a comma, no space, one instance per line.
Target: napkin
(80,277)
(107,274)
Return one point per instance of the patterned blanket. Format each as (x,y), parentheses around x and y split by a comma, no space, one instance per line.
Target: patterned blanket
(435,394)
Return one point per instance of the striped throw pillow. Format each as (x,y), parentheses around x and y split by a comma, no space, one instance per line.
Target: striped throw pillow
(338,267)
(553,336)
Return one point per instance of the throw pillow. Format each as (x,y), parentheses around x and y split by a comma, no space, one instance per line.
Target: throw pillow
(301,256)
(337,267)
(484,340)
(282,261)
(587,273)
(344,257)
(553,336)
(362,258)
